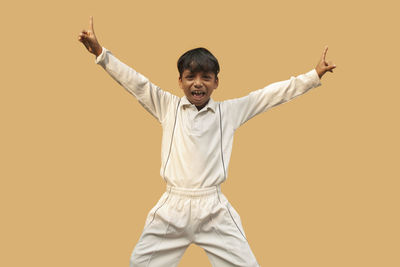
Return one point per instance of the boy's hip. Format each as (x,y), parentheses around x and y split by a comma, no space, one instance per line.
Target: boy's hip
(187,209)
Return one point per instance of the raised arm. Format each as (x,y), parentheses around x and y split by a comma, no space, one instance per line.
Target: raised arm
(151,97)
(242,109)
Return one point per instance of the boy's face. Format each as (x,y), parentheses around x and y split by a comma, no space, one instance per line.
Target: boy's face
(198,87)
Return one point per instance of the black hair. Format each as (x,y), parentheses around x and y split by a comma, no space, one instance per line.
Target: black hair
(198,60)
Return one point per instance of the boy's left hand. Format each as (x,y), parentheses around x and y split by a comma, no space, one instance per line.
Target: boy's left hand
(324,66)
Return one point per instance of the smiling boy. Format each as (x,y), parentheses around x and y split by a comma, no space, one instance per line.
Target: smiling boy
(198,70)
(196,148)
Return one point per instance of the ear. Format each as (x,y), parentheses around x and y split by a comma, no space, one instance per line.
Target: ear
(180,82)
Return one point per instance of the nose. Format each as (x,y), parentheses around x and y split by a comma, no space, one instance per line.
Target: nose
(197,83)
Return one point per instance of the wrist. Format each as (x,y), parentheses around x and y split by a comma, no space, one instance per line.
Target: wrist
(98,51)
(319,72)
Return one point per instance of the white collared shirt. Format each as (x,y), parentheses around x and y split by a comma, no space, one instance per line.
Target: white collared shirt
(197,145)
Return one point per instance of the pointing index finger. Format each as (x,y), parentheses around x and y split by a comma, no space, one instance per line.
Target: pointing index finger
(91,23)
(324,53)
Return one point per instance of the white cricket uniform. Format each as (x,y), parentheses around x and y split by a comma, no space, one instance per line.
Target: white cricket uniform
(195,154)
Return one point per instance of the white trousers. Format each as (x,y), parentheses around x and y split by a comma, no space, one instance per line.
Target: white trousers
(185,216)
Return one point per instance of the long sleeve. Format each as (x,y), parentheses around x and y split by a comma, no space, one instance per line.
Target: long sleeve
(244,108)
(150,96)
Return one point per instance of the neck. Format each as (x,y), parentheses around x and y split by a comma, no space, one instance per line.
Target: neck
(202,106)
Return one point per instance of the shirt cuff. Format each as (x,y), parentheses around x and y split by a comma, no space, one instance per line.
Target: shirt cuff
(314,78)
(101,56)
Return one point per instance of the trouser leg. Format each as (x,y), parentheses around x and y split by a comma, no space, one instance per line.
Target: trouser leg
(223,238)
(161,243)
(158,251)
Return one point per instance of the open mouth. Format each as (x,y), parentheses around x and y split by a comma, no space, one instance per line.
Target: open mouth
(198,93)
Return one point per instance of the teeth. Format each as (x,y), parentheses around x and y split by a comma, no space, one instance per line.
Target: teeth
(197,92)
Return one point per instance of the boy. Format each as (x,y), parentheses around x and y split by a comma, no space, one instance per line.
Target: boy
(196,148)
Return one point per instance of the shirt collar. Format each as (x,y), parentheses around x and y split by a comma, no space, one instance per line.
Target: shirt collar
(210,105)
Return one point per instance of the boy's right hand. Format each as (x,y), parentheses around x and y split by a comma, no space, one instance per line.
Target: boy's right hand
(88,38)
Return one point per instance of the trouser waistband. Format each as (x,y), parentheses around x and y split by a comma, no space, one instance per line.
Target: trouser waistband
(193,192)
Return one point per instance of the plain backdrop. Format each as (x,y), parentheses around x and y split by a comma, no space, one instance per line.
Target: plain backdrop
(315,180)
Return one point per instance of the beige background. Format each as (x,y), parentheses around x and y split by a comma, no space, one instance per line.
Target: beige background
(315,180)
